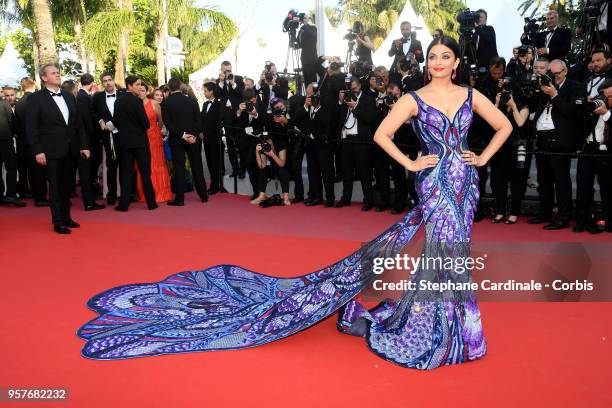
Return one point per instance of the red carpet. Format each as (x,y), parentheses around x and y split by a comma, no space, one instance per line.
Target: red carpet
(540,354)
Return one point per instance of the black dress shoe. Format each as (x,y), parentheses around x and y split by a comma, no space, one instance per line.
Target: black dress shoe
(121,209)
(594,229)
(297,199)
(73,224)
(212,191)
(94,206)
(61,229)
(153,206)
(366,207)
(25,195)
(111,199)
(175,203)
(314,202)
(556,225)
(15,201)
(204,199)
(539,219)
(397,210)
(579,227)
(341,203)
(329,204)
(242,175)
(41,203)
(382,208)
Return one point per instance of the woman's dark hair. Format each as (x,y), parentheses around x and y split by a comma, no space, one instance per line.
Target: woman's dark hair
(448,42)
(211,86)
(358,27)
(131,80)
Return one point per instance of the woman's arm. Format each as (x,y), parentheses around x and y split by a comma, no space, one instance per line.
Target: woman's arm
(281,158)
(520,117)
(261,158)
(368,43)
(404,109)
(157,109)
(497,120)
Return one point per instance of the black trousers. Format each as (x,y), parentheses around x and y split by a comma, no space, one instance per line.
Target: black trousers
(32,177)
(588,168)
(112,164)
(320,166)
(403,183)
(554,180)
(232,150)
(382,172)
(355,154)
(295,156)
(214,149)
(249,162)
(273,172)
(58,175)
(310,72)
(8,157)
(78,162)
(142,157)
(504,171)
(95,161)
(194,155)
(244,152)
(23,169)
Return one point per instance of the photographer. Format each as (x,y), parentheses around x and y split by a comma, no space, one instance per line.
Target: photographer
(554,43)
(508,164)
(271,85)
(480,133)
(230,93)
(248,118)
(521,69)
(211,122)
(597,143)
(357,121)
(411,75)
(307,39)
(556,124)
(486,43)
(382,164)
(402,47)
(315,122)
(365,46)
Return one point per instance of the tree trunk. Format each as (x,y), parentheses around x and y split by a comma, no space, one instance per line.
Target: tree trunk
(36,59)
(160,57)
(78,34)
(122,48)
(46,35)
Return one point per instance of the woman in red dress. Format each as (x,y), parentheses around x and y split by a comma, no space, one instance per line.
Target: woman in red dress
(159,172)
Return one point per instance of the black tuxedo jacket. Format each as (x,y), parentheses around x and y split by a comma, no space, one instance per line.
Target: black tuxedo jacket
(181,114)
(366,114)
(317,124)
(281,90)
(85,103)
(100,110)
(329,88)
(20,118)
(564,115)
(559,45)
(487,45)
(307,39)
(7,122)
(399,53)
(211,119)
(225,91)
(131,120)
(46,129)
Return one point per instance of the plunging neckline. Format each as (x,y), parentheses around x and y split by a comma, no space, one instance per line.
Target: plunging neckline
(442,113)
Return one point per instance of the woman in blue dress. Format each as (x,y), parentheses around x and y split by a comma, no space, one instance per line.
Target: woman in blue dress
(227,307)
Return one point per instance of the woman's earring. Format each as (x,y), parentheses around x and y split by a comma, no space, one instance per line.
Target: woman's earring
(454,73)
(428,75)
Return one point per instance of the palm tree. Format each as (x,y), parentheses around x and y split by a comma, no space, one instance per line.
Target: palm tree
(45,34)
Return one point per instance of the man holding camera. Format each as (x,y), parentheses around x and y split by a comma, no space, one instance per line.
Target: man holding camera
(307,39)
(230,92)
(357,122)
(271,85)
(555,43)
(596,145)
(249,118)
(555,132)
(401,47)
(486,42)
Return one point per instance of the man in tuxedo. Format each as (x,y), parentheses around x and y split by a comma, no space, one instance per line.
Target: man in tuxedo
(230,92)
(486,43)
(211,123)
(32,177)
(249,118)
(556,131)
(54,131)
(357,120)
(131,120)
(8,156)
(85,101)
(103,111)
(181,117)
(271,85)
(307,40)
(401,47)
(555,43)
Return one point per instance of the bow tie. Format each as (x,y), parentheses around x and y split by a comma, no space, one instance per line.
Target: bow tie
(597,75)
(111,96)
(55,94)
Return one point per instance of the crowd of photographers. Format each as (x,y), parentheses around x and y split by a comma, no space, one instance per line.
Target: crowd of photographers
(556,111)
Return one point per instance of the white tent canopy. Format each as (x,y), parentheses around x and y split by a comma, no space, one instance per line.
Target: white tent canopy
(381,56)
(11,66)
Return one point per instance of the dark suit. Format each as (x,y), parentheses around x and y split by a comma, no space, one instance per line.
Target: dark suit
(307,39)
(355,150)
(487,45)
(112,151)
(212,121)
(131,120)
(554,171)
(84,166)
(559,45)
(234,96)
(181,115)
(48,133)
(415,47)
(7,151)
(244,120)
(31,175)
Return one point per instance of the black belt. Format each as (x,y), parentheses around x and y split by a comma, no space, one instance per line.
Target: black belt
(546,132)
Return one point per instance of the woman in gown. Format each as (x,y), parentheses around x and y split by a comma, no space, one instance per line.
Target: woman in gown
(159,171)
(228,307)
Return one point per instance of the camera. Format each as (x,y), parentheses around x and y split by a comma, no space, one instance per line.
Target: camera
(522,50)
(263,141)
(315,99)
(588,107)
(390,99)
(249,106)
(293,20)
(535,83)
(531,28)
(279,112)
(467,19)
(592,8)
(360,69)
(228,74)
(407,64)
(350,35)
(379,81)
(506,90)
(335,66)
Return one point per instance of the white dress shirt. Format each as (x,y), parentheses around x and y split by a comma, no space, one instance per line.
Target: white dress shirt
(602,25)
(110,102)
(350,124)
(61,104)
(406,46)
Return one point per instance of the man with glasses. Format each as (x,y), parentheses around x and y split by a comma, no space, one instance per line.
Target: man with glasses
(556,132)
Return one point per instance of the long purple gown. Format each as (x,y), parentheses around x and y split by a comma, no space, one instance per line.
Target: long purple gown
(228,307)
